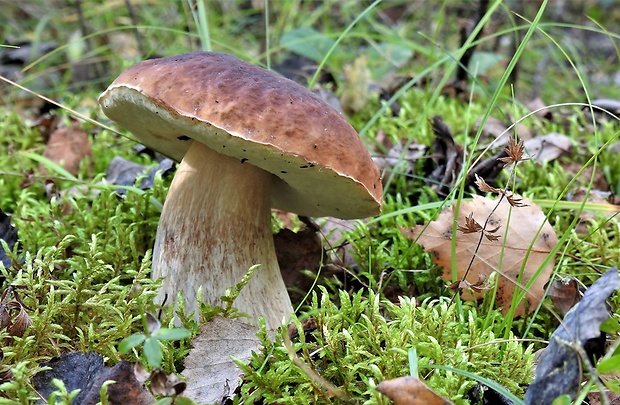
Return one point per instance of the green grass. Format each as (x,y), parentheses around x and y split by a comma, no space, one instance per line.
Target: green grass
(84,258)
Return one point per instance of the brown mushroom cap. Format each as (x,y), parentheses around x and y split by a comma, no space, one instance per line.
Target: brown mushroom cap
(320,165)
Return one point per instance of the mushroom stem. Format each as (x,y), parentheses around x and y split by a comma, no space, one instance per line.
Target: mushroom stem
(215,225)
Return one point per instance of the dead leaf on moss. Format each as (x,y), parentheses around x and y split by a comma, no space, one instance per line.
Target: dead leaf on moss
(123,172)
(13,315)
(495,128)
(68,147)
(211,374)
(541,109)
(564,294)
(400,158)
(165,384)
(87,372)
(339,249)
(548,147)
(510,249)
(410,391)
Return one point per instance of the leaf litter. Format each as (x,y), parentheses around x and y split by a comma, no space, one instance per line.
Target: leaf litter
(210,371)
(410,391)
(87,372)
(506,250)
(67,147)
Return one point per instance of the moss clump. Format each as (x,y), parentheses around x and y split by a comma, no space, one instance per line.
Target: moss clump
(366,340)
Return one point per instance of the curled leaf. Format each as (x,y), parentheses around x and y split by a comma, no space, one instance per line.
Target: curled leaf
(166,384)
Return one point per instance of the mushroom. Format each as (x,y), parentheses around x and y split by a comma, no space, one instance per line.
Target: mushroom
(248,139)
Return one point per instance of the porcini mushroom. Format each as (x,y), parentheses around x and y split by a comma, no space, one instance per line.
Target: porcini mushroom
(248,139)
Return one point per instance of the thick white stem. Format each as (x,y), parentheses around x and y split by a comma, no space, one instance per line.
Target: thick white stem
(214,226)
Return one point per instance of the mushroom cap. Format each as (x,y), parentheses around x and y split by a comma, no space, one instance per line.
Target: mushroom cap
(319,164)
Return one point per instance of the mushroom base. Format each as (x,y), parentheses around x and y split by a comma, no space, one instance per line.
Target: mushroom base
(215,225)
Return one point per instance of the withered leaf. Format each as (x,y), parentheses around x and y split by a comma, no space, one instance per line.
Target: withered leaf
(86,372)
(510,249)
(68,147)
(13,315)
(548,147)
(123,172)
(410,391)
(210,373)
(166,384)
(564,294)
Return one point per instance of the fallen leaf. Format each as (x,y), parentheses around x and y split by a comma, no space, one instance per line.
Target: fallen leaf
(410,391)
(564,294)
(68,147)
(210,373)
(541,109)
(548,147)
(560,367)
(86,372)
(13,315)
(340,250)
(510,250)
(495,128)
(123,172)
(165,384)
(604,109)
(400,160)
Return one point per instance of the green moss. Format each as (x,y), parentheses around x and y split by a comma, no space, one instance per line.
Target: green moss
(82,263)
(365,340)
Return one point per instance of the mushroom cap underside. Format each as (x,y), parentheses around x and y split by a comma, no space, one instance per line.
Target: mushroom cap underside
(319,164)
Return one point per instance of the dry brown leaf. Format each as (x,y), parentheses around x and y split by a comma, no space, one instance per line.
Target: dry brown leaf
(510,249)
(86,372)
(13,316)
(539,106)
(68,147)
(564,294)
(410,391)
(210,373)
(165,384)
(495,128)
